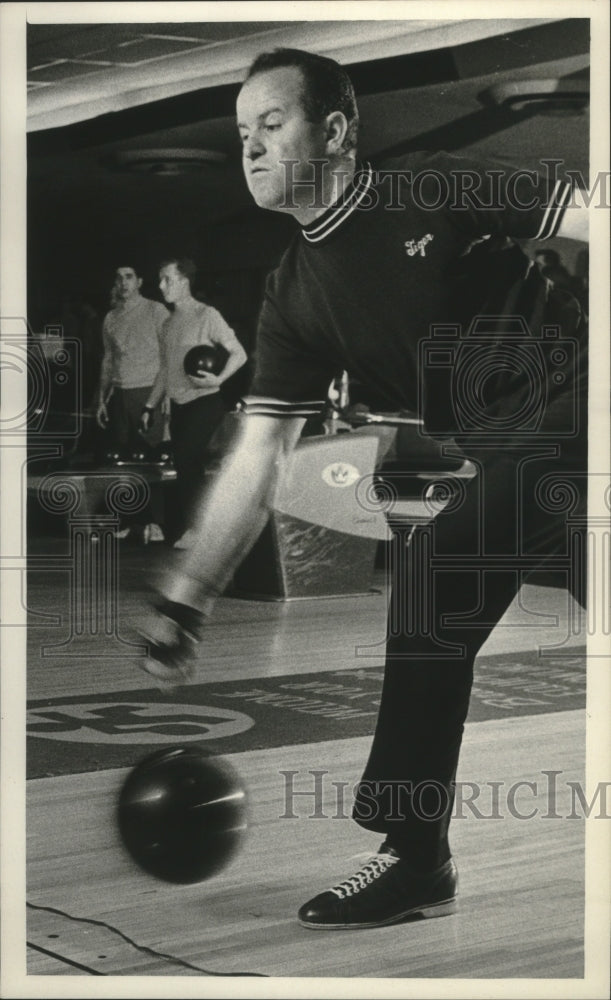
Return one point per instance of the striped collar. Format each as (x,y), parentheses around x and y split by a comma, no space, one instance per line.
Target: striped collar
(335,215)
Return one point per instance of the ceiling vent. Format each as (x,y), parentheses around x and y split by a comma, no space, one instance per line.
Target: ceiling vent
(165,162)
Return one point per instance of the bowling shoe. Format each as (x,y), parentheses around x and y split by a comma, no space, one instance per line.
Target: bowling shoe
(172,634)
(384,891)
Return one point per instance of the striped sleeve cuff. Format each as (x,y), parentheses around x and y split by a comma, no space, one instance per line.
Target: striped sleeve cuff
(270,407)
(552,216)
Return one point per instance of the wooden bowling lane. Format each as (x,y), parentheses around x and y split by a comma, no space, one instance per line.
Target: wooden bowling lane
(267,638)
(65,946)
(521,909)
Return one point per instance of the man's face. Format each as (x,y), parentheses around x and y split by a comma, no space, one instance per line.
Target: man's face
(127,283)
(273,128)
(174,286)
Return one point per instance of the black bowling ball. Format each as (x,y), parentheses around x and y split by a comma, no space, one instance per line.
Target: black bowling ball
(182,815)
(205,359)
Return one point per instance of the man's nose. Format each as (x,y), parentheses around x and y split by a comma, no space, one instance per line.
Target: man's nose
(253,146)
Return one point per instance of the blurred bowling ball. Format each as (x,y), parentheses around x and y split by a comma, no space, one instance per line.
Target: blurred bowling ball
(182,815)
(205,359)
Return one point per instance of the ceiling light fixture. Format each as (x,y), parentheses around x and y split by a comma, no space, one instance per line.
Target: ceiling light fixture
(552,96)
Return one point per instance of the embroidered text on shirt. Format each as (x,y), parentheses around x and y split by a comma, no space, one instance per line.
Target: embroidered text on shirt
(417,246)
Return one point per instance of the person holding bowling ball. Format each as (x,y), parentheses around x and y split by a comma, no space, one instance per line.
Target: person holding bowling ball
(196,404)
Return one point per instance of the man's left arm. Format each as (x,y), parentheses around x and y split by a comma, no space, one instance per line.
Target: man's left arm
(575,221)
(490,198)
(237,356)
(221,333)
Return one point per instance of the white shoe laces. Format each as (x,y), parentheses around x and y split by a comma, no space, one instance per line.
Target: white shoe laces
(375,866)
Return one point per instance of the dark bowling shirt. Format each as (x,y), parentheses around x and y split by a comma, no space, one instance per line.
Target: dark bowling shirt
(389,273)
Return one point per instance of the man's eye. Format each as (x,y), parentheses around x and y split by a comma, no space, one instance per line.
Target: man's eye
(272,126)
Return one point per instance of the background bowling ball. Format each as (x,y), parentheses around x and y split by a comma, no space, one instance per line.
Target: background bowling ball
(182,815)
(205,359)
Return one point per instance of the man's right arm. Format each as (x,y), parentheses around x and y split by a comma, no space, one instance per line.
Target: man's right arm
(234,511)
(105,378)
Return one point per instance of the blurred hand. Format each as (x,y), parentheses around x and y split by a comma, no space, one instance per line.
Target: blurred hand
(146,420)
(101,416)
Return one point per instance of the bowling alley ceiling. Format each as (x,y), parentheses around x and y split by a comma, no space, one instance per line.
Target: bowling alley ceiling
(78,71)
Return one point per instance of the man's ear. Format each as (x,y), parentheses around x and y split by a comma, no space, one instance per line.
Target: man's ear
(139,282)
(336,126)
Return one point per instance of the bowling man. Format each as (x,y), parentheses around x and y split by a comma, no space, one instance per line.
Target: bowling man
(196,403)
(378,264)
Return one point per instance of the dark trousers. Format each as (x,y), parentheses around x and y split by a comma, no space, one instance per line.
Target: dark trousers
(124,409)
(191,428)
(524,510)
